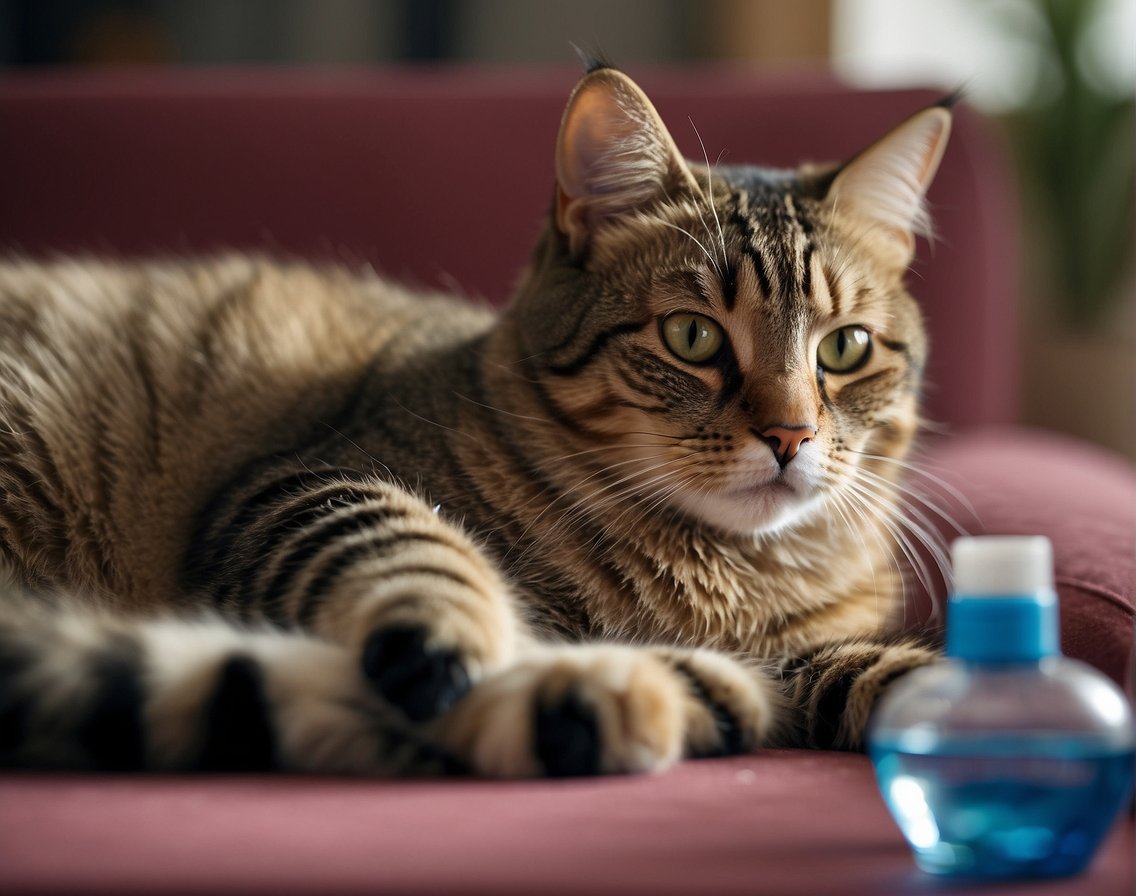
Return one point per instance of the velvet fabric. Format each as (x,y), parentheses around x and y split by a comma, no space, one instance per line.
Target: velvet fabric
(787,822)
(442,178)
(1018,481)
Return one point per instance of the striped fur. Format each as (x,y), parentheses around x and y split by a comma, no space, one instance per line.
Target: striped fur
(258,514)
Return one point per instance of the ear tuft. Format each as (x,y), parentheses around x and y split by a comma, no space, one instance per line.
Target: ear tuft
(885,185)
(592,60)
(613,155)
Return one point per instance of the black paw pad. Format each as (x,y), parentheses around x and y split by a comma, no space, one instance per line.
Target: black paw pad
(238,735)
(112,730)
(567,738)
(17,700)
(421,681)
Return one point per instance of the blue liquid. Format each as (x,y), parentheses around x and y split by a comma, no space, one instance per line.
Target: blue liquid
(1003,807)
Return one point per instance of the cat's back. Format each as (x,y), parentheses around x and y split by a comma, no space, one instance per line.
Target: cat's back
(261,309)
(130,391)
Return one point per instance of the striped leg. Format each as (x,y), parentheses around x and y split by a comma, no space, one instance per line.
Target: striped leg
(80,690)
(363,563)
(83,690)
(831,691)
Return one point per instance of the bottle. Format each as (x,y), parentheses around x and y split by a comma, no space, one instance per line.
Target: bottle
(1005,759)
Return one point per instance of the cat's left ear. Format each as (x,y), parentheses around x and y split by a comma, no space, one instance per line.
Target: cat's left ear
(614,155)
(884,186)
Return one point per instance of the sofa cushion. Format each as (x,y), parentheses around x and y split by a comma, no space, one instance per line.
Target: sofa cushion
(783,822)
(1019,481)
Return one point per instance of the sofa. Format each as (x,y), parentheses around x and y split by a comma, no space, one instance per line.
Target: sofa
(440,177)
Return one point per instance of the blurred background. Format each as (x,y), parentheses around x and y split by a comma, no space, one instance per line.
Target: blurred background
(1058,77)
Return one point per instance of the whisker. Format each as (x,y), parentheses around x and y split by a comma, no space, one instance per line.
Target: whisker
(709,196)
(868,509)
(915,499)
(643,506)
(429,422)
(900,526)
(695,239)
(839,503)
(901,511)
(375,462)
(542,420)
(583,503)
(923,472)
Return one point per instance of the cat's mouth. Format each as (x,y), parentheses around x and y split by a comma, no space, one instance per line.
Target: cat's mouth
(762,504)
(772,500)
(777,486)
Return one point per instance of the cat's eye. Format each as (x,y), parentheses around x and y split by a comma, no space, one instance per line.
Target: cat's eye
(693,337)
(845,350)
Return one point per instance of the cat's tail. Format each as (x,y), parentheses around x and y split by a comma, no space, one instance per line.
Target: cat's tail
(80,689)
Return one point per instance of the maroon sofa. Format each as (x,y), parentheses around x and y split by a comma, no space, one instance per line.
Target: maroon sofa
(441,178)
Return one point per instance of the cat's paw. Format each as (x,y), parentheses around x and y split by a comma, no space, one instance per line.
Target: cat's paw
(418,678)
(571,711)
(423,650)
(729,706)
(833,690)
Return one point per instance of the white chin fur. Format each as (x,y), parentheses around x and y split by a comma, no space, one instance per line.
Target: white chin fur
(758,500)
(767,511)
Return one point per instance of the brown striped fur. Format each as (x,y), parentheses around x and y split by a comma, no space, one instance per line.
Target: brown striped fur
(367,530)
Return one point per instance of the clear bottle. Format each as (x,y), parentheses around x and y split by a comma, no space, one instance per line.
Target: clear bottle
(1006,759)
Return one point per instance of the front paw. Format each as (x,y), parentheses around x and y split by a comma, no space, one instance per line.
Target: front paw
(423,644)
(729,707)
(419,678)
(571,711)
(833,690)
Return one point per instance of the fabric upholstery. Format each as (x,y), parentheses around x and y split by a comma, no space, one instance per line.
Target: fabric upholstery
(1017,481)
(786,822)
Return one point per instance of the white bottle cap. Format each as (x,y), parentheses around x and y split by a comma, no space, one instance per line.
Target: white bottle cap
(1001,565)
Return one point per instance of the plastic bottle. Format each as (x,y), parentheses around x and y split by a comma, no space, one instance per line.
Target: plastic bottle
(1006,759)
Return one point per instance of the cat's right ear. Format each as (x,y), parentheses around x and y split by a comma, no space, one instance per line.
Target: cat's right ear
(614,154)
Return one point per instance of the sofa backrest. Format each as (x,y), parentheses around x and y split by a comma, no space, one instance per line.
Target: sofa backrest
(442,177)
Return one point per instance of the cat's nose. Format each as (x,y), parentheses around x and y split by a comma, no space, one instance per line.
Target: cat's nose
(786,441)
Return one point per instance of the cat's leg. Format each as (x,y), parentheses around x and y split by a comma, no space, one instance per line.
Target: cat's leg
(360,562)
(602,708)
(81,689)
(363,563)
(830,692)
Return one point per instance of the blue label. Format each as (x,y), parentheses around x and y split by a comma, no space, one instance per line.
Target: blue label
(1004,628)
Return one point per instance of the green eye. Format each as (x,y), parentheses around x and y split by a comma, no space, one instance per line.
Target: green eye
(692,337)
(845,350)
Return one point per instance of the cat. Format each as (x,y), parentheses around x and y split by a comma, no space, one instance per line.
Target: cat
(260,514)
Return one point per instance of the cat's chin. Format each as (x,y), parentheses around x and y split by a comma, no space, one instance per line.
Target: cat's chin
(755,510)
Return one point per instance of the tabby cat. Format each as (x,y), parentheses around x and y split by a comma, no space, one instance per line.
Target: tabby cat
(257,514)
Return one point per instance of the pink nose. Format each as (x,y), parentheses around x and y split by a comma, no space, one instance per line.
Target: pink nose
(786,441)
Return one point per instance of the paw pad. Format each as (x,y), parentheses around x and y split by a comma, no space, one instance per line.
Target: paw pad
(567,738)
(418,679)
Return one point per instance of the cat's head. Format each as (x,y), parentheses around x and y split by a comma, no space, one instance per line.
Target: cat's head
(731,342)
